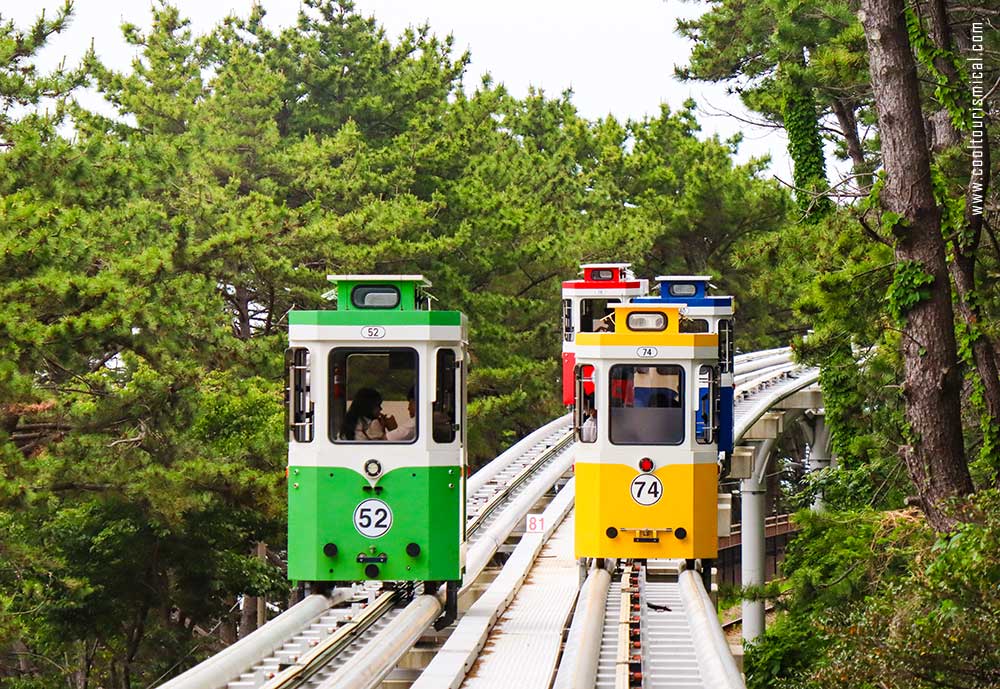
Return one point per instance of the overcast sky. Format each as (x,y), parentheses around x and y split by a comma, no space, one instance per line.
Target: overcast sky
(617,58)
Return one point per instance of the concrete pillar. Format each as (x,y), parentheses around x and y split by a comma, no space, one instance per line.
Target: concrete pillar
(818,436)
(752,494)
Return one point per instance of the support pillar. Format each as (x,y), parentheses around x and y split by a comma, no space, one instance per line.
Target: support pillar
(752,494)
(817,434)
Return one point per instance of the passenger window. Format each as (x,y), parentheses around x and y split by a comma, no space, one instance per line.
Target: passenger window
(693,325)
(443,421)
(370,393)
(597,316)
(585,422)
(646,405)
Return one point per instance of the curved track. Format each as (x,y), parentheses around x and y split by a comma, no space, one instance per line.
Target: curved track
(357,636)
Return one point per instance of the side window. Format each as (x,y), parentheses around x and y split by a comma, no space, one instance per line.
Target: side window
(693,325)
(585,418)
(726,345)
(597,316)
(567,320)
(299,408)
(372,394)
(646,405)
(707,419)
(443,425)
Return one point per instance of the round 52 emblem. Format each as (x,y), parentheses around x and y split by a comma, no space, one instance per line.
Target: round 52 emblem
(372,518)
(646,489)
(373,332)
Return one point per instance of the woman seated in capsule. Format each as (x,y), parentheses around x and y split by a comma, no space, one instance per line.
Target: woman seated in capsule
(364,419)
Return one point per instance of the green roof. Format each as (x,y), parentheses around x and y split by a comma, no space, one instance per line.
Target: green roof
(375,317)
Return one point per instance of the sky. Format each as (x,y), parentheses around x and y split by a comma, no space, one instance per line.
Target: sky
(617,58)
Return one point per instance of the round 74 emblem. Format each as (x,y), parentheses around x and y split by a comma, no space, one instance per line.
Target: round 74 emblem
(646,489)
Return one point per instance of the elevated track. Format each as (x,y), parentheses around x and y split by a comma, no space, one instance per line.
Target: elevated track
(635,625)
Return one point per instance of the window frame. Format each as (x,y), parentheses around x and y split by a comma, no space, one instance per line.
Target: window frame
(368,286)
(457,427)
(587,314)
(581,397)
(567,320)
(332,432)
(682,381)
(298,390)
(628,321)
(710,425)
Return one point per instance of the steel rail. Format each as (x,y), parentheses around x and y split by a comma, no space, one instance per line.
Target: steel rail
(311,662)
(578,667)
(381,654)
(715,661)
(245,653)
(760,354)
(502,495)
(456,657)
(749,411)
(525,445)
(748,367)
(765,373)
(763,378)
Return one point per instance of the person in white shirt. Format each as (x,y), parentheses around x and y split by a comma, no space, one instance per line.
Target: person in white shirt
(365,420)
(588,431)
(407,429)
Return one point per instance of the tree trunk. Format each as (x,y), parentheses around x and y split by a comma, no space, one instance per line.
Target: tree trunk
(241,302)
(966,242)
(227,628)
(848,122)
(248,616)
(935,460)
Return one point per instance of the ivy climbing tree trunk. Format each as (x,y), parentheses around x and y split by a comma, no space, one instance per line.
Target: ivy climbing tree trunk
(935,458)
(805,145)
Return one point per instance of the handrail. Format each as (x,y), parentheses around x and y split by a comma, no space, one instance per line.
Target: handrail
(501,495)
(758,407)
(459,652)
(481,477)
(716,663)
(578,667)
(228,663)
(310,663)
